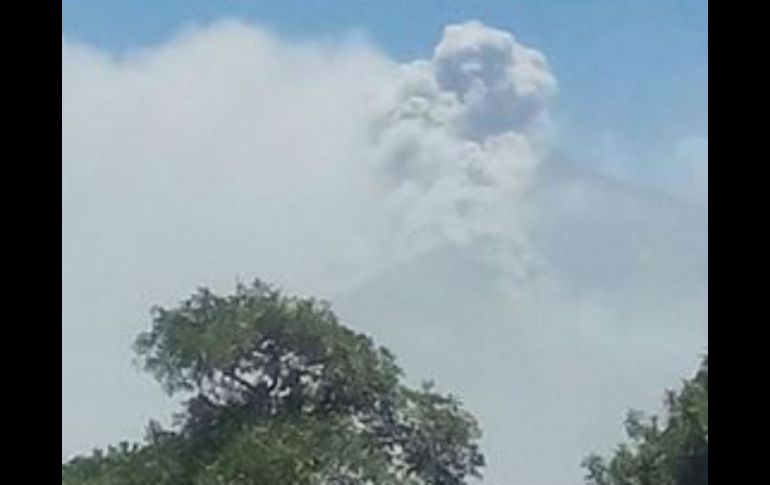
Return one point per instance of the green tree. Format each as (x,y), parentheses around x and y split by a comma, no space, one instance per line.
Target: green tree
(278,391)
(674,452)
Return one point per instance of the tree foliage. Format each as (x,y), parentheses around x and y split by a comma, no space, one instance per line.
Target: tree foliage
(673,452)
(277,390)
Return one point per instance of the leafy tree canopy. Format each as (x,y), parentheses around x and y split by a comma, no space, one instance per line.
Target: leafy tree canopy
(277,390)
(672,451)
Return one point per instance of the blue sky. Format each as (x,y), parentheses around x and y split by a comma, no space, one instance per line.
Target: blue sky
(633,74)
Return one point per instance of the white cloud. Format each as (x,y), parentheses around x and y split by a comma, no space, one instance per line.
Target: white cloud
(225,153)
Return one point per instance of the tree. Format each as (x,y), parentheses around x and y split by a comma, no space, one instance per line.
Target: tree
(672,453)
(278,391)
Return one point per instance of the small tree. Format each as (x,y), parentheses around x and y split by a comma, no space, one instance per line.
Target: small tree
(671,453)
(278,391)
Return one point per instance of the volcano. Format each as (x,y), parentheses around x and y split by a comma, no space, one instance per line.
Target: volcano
(614,312)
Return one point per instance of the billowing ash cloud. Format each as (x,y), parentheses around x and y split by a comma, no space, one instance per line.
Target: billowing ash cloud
(420,197)
(459,148)
(503,85)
